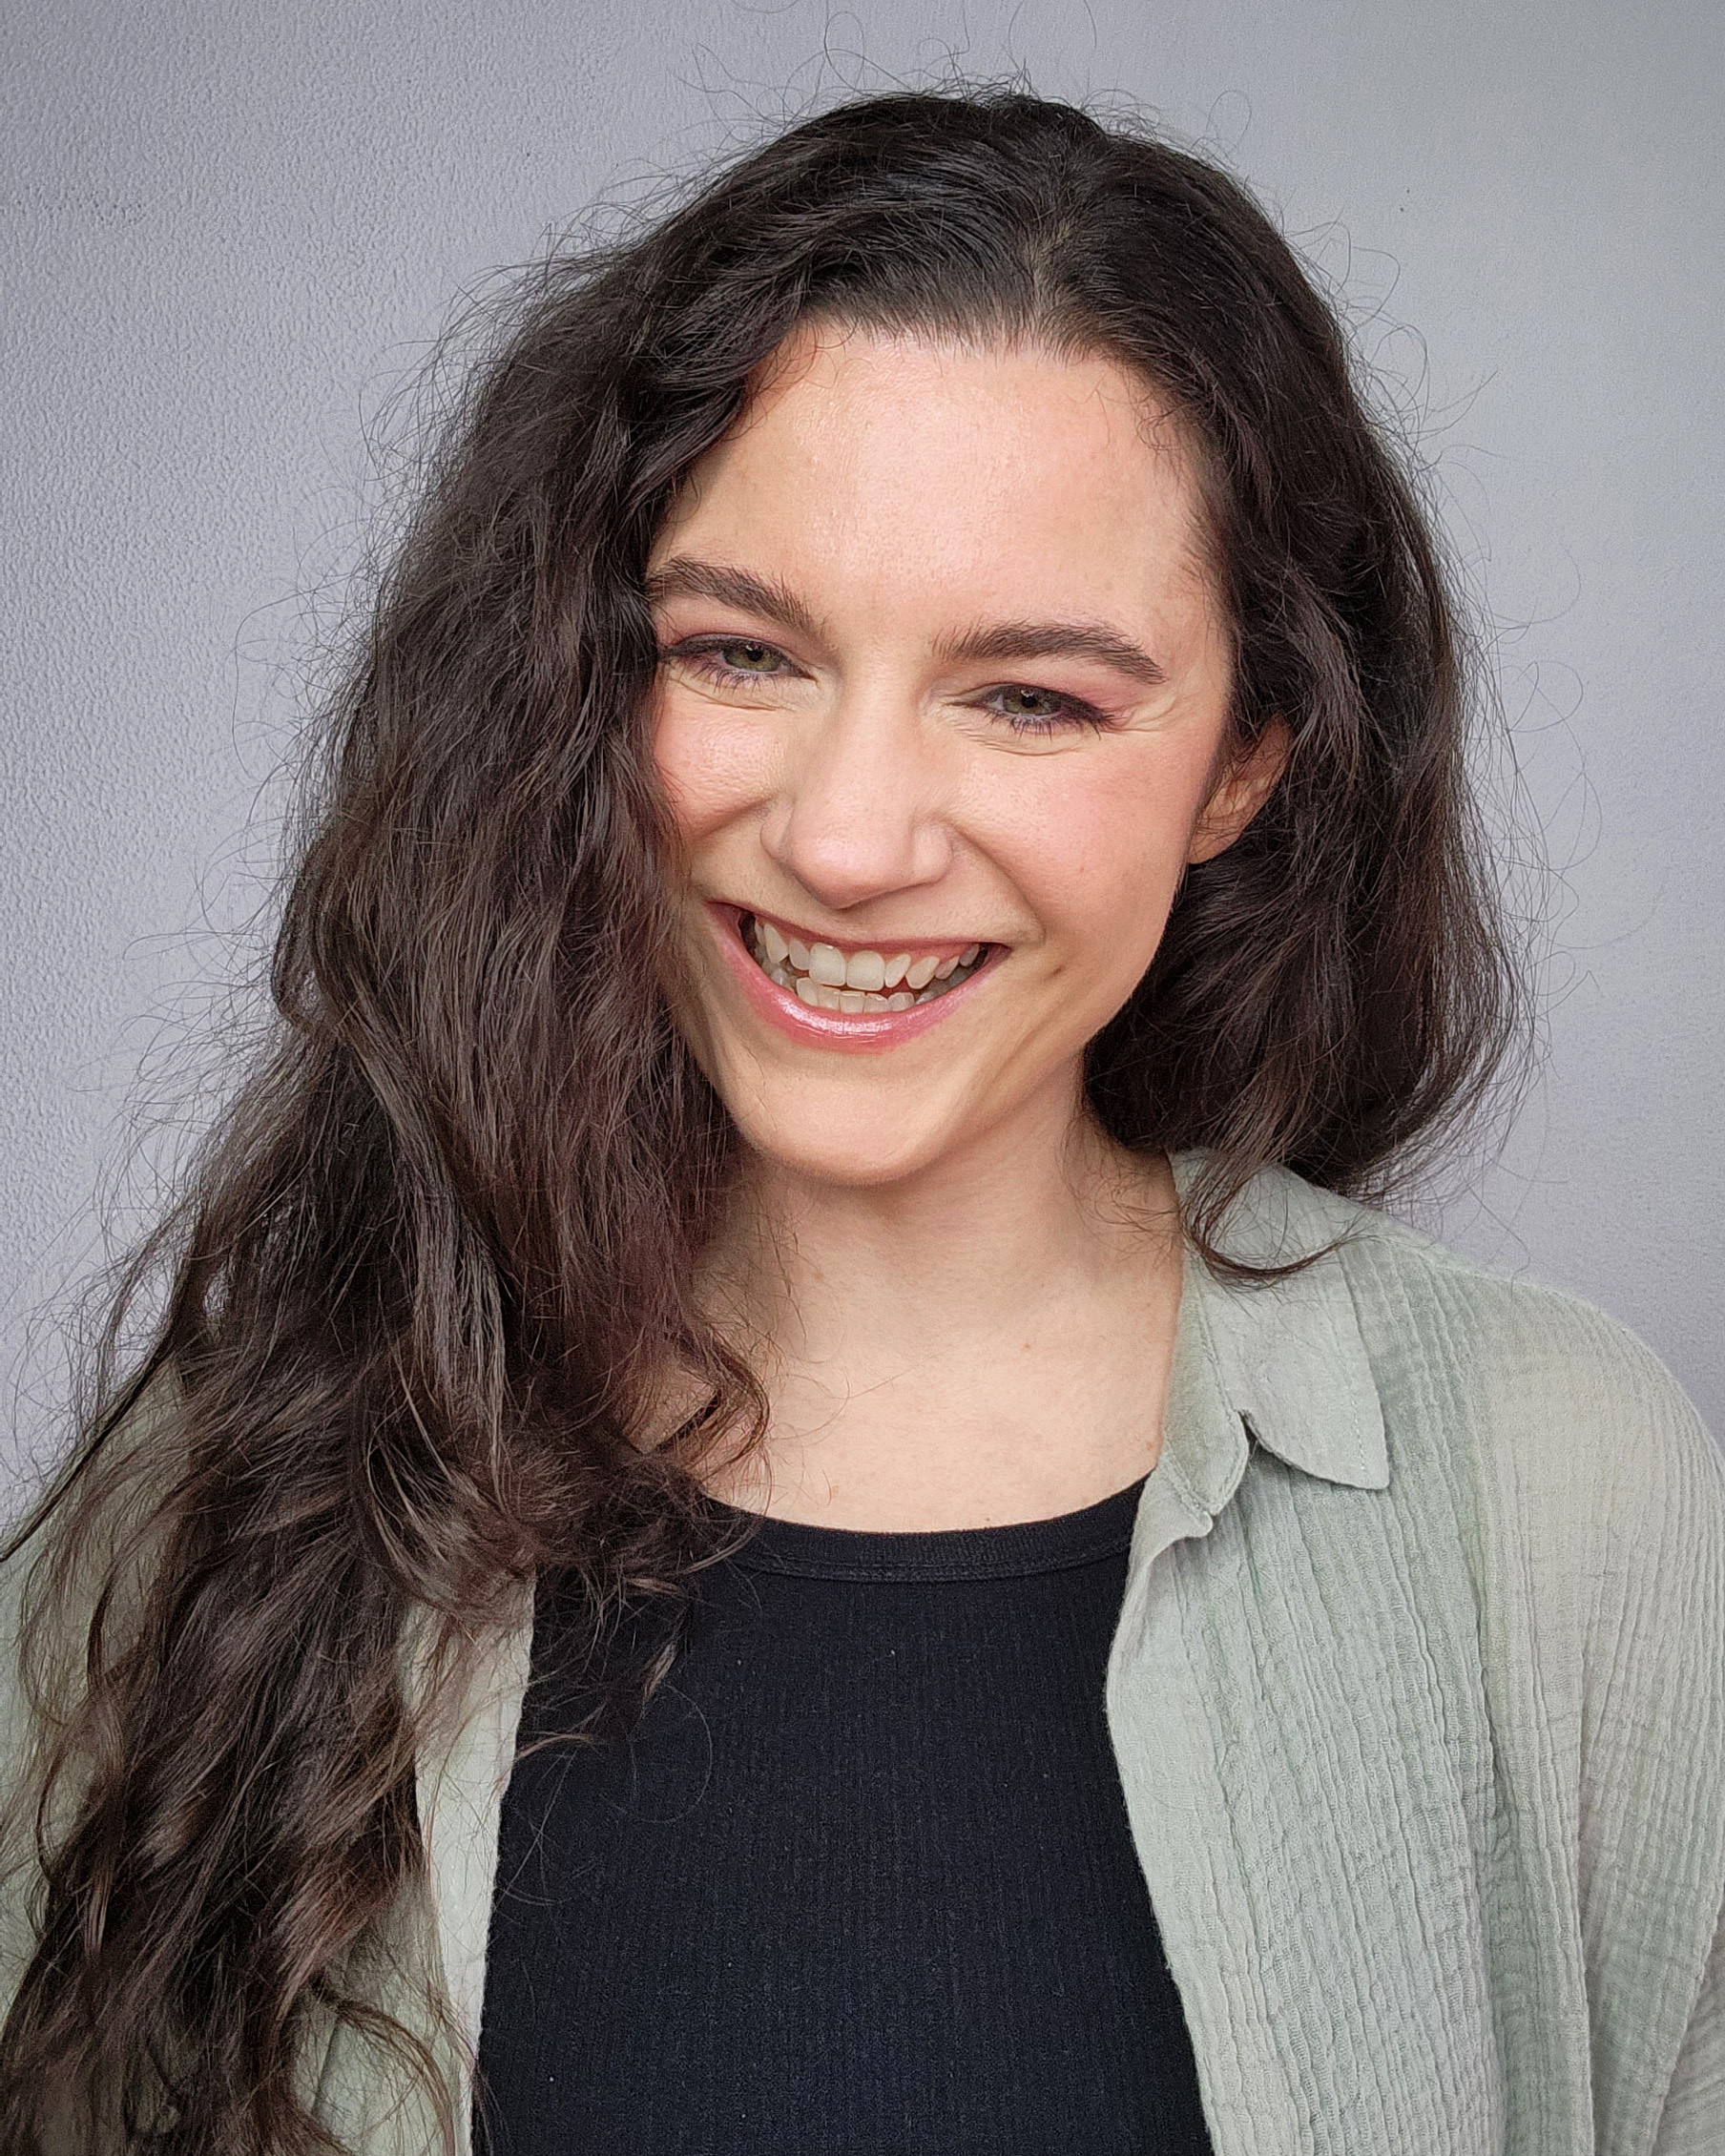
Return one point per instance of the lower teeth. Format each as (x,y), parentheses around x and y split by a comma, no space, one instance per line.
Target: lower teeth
(849,1000)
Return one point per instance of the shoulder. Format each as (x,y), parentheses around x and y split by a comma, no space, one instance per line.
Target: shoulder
(1448,1339)
(1499,1346)
(1535,1371)
(1547,1442)
(1576,1466)
(1584,1482)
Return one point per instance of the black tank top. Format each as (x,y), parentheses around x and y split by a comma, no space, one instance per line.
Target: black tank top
(859,1882)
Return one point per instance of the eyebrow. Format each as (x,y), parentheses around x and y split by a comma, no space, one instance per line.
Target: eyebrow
(1005,640)
(684,579)
(1055,640)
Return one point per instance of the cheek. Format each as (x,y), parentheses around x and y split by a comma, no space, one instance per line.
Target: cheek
(712,762)
(1105,852)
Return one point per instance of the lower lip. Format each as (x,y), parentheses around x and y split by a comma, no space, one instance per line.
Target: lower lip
(856,1032)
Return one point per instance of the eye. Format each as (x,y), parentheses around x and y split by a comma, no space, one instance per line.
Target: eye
(749,657)
(732,658)
(1041,711)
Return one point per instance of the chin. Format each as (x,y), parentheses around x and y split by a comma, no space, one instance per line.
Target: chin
(867,1152)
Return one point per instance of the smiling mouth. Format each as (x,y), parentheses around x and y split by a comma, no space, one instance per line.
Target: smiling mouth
(827,978)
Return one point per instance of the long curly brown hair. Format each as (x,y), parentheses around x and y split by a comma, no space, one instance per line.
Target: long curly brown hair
(433,1260)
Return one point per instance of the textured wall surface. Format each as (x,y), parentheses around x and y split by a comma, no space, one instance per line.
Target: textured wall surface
(228,235)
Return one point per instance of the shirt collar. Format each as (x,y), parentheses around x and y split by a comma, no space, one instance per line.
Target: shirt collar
(1284,1364)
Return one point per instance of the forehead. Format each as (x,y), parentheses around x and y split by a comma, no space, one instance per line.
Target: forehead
(917,472)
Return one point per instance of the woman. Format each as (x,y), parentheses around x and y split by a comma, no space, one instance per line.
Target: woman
(894,870)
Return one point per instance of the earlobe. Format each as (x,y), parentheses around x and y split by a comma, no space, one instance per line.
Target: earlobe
(1246,785)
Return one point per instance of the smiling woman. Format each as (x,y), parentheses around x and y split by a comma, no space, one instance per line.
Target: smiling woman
(894,886)
(1059,528)
(866,804)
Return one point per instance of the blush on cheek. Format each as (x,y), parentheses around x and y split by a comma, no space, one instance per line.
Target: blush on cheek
(1114,856)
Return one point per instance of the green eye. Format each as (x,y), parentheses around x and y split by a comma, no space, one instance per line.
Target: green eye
(1041,711)
(748,657)
(1030,703)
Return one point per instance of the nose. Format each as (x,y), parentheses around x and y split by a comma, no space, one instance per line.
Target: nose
(862,805)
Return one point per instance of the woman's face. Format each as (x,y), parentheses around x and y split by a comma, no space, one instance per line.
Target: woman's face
(942,667)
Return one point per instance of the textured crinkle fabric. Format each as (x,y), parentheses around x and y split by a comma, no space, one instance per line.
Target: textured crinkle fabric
(1418,1696)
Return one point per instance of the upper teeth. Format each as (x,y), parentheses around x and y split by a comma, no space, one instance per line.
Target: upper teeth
(865,973)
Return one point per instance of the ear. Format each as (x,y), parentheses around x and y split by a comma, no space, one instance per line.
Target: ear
(1244,786)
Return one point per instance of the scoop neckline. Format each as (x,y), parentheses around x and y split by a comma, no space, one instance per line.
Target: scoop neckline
(1014,1550)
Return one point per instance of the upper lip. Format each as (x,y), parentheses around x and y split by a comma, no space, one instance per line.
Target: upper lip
(919,946)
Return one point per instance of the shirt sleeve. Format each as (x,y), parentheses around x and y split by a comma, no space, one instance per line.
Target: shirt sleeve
(1692,2122)
(1652,1817)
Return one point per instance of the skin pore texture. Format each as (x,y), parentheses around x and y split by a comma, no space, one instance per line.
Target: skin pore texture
(942,663)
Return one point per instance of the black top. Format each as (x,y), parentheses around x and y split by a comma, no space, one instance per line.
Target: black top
(860,1883)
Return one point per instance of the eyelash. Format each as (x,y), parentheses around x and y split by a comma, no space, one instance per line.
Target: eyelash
(705,656)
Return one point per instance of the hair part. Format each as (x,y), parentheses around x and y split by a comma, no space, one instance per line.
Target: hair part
(434,1261)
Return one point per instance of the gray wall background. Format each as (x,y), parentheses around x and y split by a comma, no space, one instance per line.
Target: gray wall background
(228,235)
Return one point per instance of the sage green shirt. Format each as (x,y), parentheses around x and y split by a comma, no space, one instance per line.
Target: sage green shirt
(1417,1695)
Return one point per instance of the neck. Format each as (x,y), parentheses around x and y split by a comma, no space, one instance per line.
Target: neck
(984,1339)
